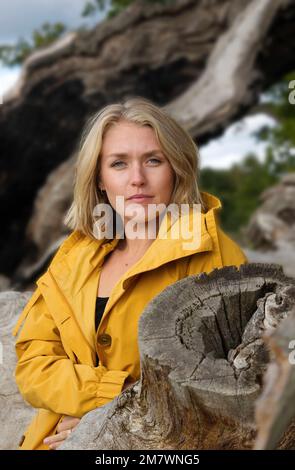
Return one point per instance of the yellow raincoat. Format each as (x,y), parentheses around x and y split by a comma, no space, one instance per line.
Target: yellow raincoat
(57,348)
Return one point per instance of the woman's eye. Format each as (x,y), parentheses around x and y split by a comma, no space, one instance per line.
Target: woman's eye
(155,159)
(115,163)
(150,159)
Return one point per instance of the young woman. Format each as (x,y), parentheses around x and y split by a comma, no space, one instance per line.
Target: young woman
(77,349)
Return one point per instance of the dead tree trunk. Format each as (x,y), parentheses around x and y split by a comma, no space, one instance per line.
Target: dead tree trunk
(226,80)
(202,362)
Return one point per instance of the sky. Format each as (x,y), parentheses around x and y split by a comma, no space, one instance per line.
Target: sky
(18,18)
(235,143)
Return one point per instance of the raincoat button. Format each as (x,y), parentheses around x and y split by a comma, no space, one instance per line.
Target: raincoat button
(104,339)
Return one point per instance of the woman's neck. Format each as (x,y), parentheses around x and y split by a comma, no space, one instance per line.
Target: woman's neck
(145,236)
(133,247)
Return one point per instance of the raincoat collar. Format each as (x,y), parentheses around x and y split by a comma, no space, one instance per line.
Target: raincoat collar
(74,274)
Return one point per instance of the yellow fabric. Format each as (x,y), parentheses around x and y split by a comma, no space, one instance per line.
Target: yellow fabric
(57,346)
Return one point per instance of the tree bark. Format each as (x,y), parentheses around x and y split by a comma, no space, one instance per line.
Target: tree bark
(227,83)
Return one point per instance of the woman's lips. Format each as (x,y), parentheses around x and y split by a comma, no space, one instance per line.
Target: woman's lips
(140,199)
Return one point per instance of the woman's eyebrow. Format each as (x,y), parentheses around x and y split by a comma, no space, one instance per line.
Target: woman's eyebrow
(125,155)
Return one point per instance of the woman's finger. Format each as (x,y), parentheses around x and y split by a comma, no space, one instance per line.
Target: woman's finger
(67,424)
(57,437)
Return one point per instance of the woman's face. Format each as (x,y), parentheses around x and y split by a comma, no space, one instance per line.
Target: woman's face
(134,171)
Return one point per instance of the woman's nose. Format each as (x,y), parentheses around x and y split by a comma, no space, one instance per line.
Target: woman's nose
(137,174)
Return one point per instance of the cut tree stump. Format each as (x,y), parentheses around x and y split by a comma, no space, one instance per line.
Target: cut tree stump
(202,363)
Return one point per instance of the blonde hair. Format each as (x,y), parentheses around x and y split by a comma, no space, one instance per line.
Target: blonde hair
(177,145)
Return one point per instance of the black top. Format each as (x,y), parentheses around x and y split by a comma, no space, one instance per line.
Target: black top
(99,309)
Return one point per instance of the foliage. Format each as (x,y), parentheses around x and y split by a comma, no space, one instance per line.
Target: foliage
(17,53)
(239,188)
(278,101)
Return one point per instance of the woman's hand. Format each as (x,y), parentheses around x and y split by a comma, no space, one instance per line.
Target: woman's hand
(64,429)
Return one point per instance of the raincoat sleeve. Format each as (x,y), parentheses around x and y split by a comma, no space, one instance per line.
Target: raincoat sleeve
(46,376)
